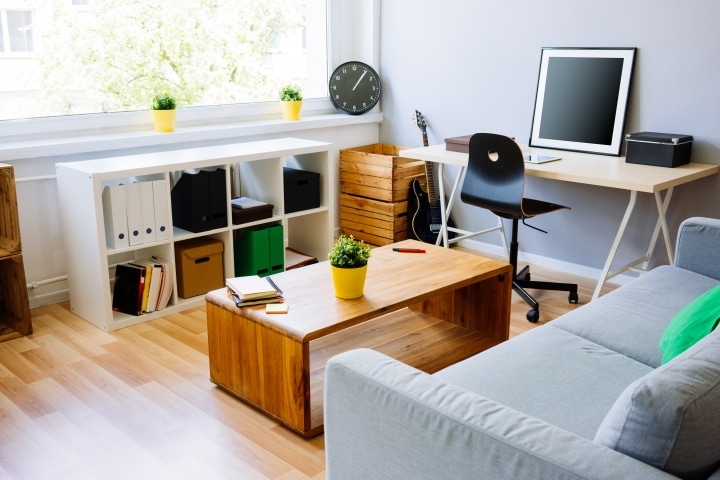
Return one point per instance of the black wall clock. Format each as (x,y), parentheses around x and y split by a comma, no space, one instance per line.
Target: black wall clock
(354,87)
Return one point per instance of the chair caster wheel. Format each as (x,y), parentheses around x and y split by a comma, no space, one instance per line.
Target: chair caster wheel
(573,297)
(533,316)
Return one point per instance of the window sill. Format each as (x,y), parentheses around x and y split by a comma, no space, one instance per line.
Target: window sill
(144,136)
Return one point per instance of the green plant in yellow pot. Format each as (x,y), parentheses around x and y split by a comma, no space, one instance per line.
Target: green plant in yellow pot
(348,264)
(163,112)
(291,98)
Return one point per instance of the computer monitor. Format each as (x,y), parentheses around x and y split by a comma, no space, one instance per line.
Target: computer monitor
(581,99)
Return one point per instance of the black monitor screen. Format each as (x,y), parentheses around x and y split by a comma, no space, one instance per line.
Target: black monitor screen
(581,99)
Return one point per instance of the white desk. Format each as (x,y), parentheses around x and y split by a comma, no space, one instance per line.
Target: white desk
(588,169)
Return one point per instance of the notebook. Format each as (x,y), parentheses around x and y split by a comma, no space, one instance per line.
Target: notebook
(536,158)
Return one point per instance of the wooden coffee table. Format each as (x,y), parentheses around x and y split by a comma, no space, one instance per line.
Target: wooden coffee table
(429,310)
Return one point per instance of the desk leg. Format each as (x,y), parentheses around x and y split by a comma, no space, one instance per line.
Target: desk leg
(446,207)
(444,214)
(661,224)
(616,244)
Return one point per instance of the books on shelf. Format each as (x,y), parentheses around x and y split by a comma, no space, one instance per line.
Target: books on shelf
(129,289)
(142,286)
(253,290)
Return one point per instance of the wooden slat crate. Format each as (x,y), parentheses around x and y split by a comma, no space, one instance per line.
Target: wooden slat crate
(373,221)
(9,221)
(375,171)
(14,307)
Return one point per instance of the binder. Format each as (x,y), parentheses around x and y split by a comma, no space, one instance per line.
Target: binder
(199,201)
(134,213)
(147,212)
(146,287)
(252,253)
(128,289)
(190,199)
(167,284)
(155,280)
(217,185)
(115,215)
(162,209)
(276,246)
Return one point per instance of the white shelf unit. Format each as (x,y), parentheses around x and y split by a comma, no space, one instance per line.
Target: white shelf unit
(252,169)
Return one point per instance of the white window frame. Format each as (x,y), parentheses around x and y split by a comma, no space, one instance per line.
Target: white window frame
(5,32)
(353,34)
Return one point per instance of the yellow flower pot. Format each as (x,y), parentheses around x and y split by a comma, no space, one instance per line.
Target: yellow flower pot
(349,282)
(291,110)
(164,120)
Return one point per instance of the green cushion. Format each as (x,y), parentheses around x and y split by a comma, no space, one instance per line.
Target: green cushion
(692,323)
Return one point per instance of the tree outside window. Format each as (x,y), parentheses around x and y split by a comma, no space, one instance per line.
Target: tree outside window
(115,55)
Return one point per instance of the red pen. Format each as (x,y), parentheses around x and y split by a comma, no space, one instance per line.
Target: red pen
(408,250)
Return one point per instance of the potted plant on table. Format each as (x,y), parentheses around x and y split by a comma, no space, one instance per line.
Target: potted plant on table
(291,98)
(348,264)
(163,112)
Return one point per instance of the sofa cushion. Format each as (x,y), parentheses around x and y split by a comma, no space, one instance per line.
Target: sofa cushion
(549,374)
(670,417)
(693,322)
(630,320)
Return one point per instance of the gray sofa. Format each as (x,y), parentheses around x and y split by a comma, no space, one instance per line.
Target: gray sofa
(582,397)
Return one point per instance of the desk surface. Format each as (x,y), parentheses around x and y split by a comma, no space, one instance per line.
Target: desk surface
(585,168)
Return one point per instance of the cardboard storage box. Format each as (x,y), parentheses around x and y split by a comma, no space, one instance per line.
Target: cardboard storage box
(658,149)
(376,171)
(373,221)
(301,189)
(199,266)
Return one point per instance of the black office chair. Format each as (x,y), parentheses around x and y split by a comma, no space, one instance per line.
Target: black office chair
(494,180)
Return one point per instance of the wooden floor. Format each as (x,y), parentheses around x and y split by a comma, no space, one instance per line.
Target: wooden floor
(79,403)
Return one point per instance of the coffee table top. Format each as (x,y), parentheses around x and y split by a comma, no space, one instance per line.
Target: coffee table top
(394,280)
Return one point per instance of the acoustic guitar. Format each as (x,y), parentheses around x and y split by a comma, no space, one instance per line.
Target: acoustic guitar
(426,220)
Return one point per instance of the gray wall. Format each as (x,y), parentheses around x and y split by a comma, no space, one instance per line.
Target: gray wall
(472,66)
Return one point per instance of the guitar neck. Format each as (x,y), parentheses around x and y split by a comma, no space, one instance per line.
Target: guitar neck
(430,175)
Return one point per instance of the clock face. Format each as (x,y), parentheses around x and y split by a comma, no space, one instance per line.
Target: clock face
(354,88)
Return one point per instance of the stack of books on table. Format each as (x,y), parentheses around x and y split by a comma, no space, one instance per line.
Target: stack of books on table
(253,290)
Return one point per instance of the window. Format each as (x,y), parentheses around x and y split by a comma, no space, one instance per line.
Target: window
(16,33)
(115,55)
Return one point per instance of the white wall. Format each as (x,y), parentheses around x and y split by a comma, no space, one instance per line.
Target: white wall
(472,66)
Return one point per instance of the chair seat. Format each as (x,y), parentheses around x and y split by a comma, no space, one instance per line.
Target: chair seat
(532,207)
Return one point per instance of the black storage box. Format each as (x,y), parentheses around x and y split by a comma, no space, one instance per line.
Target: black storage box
(658,149)
(199,201)
(301,189)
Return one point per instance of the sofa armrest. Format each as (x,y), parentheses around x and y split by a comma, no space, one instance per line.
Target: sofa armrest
(698,246)
(387,420)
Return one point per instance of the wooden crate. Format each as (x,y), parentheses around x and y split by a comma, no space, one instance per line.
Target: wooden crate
(14,306)
(9,219)
(373,221)
(375,171)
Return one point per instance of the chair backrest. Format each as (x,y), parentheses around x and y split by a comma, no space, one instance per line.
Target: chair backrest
(495,174)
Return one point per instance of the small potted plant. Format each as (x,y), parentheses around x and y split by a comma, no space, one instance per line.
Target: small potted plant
(291,98)
(163,112)
(348,263)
